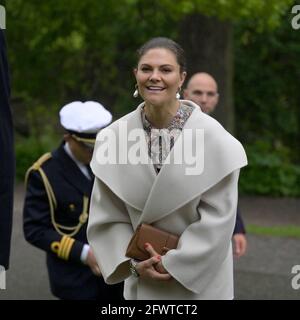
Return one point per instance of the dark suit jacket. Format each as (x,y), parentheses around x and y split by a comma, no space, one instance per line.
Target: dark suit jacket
(69,277)
(239,224)
(7,159)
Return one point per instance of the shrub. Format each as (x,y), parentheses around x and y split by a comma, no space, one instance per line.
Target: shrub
(269,172)
(30,149)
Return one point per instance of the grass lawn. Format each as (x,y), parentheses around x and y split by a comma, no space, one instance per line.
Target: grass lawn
(276,231)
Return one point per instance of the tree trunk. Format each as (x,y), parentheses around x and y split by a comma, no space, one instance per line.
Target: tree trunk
(208,46)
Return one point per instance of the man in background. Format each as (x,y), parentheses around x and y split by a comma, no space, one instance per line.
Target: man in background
(202,89)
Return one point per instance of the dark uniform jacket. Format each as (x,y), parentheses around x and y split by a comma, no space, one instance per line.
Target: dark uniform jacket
(55,220)
(239,224)
(7,162)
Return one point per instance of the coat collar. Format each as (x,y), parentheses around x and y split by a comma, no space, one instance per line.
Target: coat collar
(159,195)
(132,183)
(71,172)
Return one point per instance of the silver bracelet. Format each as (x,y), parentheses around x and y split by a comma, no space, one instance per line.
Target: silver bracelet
(133,263)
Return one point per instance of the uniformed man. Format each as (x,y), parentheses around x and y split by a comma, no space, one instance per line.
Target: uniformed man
(59,186)
(202,89)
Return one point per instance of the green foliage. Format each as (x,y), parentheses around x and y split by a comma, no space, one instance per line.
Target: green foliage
(267,105)
(266,86)
(269,171)
(63,50)
(28,150)
(265,14)
(85,50)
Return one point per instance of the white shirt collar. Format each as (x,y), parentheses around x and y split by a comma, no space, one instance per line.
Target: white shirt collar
(80,165)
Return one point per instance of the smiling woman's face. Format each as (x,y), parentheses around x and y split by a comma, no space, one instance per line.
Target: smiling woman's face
(158,77)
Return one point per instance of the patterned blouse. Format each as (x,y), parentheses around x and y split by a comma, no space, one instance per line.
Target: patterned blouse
(161,141)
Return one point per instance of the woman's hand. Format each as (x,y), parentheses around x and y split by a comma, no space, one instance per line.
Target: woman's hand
(147,269)
(159,267)
(92,263)
(152,268)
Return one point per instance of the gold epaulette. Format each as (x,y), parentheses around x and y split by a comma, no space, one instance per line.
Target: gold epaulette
(37,165)
(63,248)
(41,160)
(65,231)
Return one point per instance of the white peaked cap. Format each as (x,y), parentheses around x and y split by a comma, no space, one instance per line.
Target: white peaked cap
(84,117)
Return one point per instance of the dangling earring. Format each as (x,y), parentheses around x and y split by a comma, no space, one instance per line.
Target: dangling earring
(178,94)
(136,92)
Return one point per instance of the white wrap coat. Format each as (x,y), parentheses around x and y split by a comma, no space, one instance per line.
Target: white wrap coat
(200,208)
